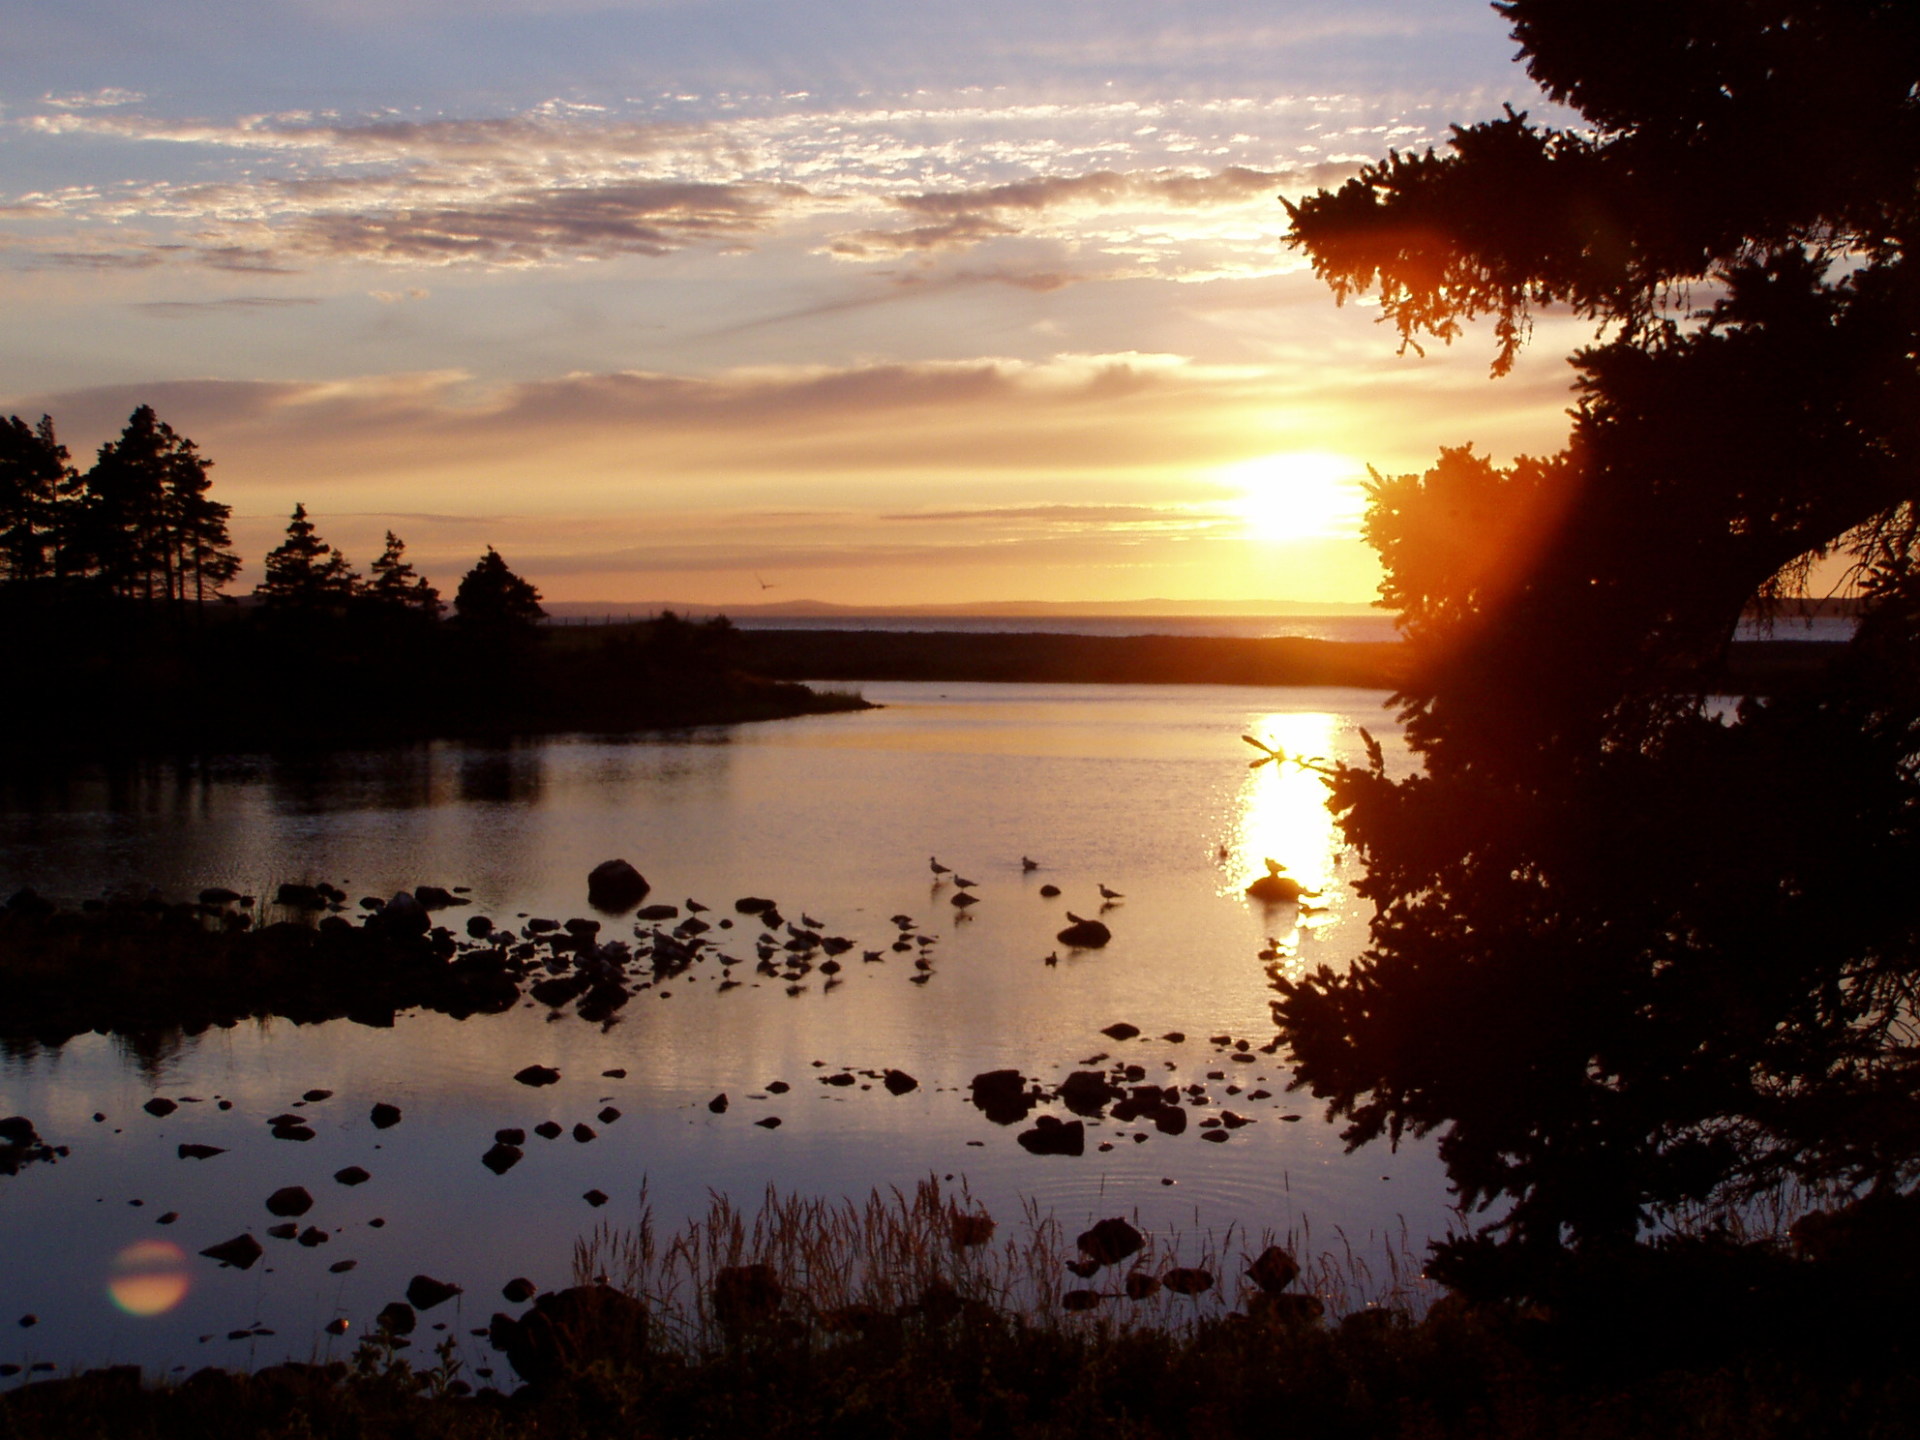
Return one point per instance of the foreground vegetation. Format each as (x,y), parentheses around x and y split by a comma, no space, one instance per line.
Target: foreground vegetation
(911,1315)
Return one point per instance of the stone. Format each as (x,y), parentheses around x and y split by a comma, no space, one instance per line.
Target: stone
(518,1290)
(313,1235)
(502,1158)
(1273,1270)
(595,1198)
(573,1331)
(1049,892)
(898,1082)
(614,886)
(1002,1096)
(1051,1136)
(432,897)
(718,1104)
(240,1252)
(405,915)
(1086,1092)
(584,1132)
(547,1130)
(396,1319)
(771,1122)
(384,1116)
(288,1201)
(537,1075)
(200,1152)
(1110,1241)
(1187,1280)
(1084,934)
(1121,1030)
(424,1292)
(285,1230)
(159,1107)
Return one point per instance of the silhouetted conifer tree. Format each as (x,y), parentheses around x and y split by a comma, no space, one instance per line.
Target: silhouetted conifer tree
(491,598)
(36,486)
(1634,951)
(304,573)
(394,584)
(144,523)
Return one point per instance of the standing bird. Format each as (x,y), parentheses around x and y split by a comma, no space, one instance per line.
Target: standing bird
(933,864)
(964,883)
(1027,867)
(1106,894)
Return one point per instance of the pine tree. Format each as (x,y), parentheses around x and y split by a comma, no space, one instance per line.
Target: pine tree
(492,599)
(394,584)
(36,484)
(304,573)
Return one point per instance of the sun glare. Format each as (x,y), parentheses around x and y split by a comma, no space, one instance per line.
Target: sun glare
(1298,495)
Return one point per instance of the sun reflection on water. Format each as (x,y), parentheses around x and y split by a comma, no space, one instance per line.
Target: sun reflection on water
(1281,814)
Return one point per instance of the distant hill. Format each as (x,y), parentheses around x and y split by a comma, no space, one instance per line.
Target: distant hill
(639,609)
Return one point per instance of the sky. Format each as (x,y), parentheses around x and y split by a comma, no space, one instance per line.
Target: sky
(738,301)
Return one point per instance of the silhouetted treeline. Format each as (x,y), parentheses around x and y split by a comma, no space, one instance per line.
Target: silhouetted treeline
(119,638)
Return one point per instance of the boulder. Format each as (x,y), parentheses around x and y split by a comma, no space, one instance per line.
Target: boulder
(502,1158)
(1273,1270)
(424,1292)
(568,1332)
(1110,1241)
(240,1252)
(1086,1092)
(1084,934)
(289,1200)
(1187,1280)
(384,1116)
(1002,1096)
(1050,1136)
(898,1082)
(432,897)
(405,915)
(614,885)
(537,1075)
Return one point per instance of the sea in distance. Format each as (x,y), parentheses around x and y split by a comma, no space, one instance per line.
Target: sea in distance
(1145,790)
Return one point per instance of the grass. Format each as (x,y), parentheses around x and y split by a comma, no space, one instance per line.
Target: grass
(917,1315)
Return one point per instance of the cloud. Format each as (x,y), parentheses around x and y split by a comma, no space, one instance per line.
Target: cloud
(540,226)
(108,98)
(960,219)
(181,309)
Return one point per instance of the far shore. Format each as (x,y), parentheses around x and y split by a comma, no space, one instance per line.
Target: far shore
(1752,667)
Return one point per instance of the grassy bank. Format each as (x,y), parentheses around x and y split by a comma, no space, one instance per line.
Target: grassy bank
(918,1316)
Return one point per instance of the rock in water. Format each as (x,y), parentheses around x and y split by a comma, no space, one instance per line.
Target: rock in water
(1001,1095)
(384,1116)
(1052,1137)
(240,1252)
(1110,1241)
(424,1292)
(1276,889)
(501,1158)
(289,1200)
(537,1075)
(898,1082)
(1274,1270)
(405,915)
(614,885)
(1084,934)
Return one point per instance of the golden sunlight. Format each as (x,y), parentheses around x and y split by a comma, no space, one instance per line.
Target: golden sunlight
(1298,495)
(1283,806)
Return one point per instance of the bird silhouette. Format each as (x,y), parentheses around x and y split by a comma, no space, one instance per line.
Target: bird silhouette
(964,883)
(933,864)
(1027,866)
(1106,894)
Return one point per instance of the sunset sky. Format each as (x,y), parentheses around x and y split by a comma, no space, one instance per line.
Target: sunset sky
(731,301)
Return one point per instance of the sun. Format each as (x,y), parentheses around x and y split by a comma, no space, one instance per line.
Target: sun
(1298,495)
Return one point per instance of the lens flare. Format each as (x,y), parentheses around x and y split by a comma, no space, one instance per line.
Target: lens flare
(149,1277)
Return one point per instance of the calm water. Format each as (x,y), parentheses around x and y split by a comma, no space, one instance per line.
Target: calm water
(1146,790)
